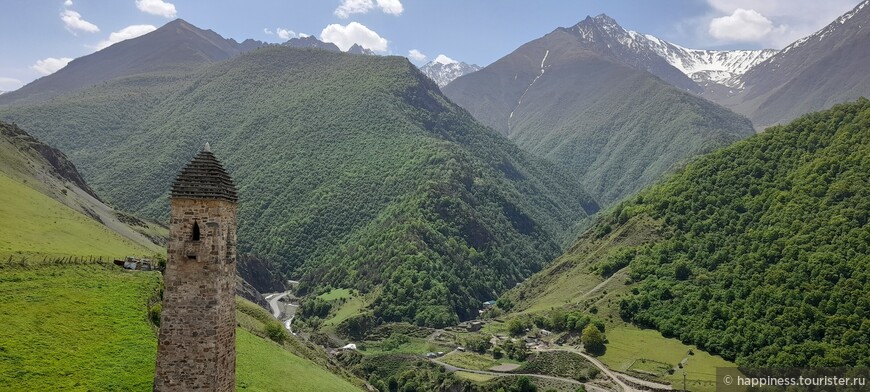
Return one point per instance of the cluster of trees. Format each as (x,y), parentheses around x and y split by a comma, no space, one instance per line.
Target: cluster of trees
(555,320)
(616,260)
(515,350)
(394,341)
(396,373)
(593,340)
(559,320)
(478,343)
(766,246)
(314,307)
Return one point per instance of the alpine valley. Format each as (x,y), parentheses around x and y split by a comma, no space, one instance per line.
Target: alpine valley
(597,210)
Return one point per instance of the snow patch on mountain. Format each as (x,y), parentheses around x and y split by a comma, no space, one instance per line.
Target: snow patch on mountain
(520,102)
(444,70)
(718,66)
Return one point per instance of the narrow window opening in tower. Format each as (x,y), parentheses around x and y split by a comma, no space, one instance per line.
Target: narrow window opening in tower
(195,236)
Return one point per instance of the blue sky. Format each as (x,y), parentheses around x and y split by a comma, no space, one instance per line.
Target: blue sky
(40,36)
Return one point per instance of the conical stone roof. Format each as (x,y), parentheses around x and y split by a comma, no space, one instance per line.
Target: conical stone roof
(204,178)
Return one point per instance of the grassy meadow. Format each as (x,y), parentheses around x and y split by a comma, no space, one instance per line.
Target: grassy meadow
(77,328)
(264,366)
(36,226)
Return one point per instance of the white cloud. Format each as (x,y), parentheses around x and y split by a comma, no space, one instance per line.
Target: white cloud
(125,34)
(790,20)
(392,7)
(156,7)
(349,7)
(285,34)
(742,25)
(73,21)
(444,60)
(416,55)
(50,65)
(9,84)
(354,33)
(67,3)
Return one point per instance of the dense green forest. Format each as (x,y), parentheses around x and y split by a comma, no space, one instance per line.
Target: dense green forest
(765,249)
(353,171)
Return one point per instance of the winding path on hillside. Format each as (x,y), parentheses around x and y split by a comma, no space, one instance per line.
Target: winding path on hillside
(617,377)
(277,312)
(450,368)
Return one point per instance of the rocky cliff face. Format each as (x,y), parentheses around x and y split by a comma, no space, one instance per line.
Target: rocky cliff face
(63,168)
(261,274)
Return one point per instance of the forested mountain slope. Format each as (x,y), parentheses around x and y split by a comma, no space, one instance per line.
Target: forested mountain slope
(758,252)
(353,171)
(617,127)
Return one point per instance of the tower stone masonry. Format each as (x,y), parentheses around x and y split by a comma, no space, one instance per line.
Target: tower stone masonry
(196,345)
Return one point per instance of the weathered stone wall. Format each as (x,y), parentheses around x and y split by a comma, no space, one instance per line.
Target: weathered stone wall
(196,344)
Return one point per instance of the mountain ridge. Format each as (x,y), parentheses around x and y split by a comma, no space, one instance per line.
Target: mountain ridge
(177,45)
(311,42)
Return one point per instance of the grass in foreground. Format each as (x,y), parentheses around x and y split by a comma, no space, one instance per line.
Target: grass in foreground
(86,328)
(81,327)
(35,225)
(263,365)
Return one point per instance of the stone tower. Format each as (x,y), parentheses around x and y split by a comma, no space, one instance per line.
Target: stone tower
(196,345)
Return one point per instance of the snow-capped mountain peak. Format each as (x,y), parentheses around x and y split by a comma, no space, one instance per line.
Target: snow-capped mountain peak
(444,70)
(640,50)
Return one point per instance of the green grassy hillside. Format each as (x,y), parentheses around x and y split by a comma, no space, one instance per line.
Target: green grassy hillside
(49,211)
(86,327)
(757,252)
(353,172)
(80,327)
(35,225)
(262,365)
